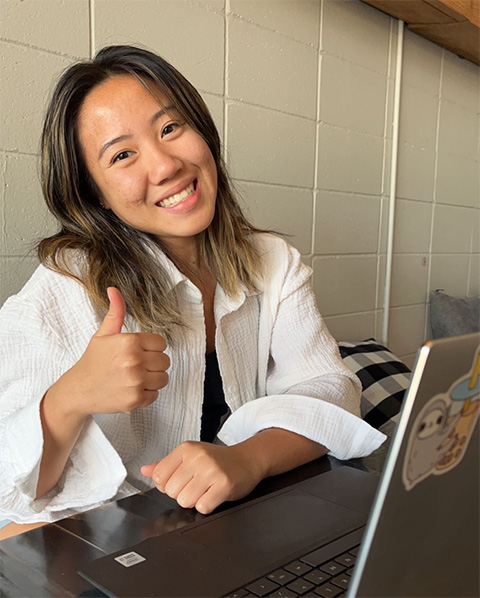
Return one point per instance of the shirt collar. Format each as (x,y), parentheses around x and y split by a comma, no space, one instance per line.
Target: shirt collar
(175,277)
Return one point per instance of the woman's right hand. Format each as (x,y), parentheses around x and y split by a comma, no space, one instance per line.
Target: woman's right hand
(119,372)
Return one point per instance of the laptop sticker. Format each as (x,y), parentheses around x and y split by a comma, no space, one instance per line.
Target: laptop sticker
(442,430)
(130,558)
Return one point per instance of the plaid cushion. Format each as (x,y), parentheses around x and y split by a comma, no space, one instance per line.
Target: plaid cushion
(384,380)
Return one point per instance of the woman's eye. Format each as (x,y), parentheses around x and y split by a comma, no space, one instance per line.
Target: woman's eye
(169,128)
(121,156)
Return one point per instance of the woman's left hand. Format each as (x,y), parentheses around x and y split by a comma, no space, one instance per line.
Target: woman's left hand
(203,475)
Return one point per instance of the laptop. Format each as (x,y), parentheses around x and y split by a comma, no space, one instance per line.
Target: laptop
(413,533)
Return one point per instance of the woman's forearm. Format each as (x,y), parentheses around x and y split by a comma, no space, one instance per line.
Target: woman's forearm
(61,428)
(276,450)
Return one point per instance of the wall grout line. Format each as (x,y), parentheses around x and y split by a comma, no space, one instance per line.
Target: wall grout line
(340,256)
(325,190)
(20,153)
(263,107)
(91,16)
(239,17)
(327,124)
(226,55)
(369,311)
(3,194)
(14,42)
(315,206)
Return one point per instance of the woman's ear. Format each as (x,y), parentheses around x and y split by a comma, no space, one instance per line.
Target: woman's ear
(101,200)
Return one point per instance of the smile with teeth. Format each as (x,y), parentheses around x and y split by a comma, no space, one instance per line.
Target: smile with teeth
(173,200)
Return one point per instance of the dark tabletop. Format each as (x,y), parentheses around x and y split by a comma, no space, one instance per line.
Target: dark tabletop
(44,561)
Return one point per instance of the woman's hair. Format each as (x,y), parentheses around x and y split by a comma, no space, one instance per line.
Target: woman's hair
(115,253)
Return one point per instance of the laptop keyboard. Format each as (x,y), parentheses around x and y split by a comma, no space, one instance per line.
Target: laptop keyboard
(307,577)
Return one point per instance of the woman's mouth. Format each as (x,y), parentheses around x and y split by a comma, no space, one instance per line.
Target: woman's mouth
(173,200)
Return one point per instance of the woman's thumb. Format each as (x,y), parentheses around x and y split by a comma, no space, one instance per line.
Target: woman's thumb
(113,321)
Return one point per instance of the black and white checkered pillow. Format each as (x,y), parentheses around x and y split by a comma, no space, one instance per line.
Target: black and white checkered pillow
(384,380)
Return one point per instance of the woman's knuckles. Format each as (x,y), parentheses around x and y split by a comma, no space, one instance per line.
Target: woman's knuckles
(129,342)
(159,482)
(134,377)
(189,446)
(131,364)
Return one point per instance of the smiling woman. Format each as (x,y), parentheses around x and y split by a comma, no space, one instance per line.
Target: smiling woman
(164,341)
(87,159)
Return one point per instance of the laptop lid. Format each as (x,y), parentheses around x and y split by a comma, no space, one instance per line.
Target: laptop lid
(422,537)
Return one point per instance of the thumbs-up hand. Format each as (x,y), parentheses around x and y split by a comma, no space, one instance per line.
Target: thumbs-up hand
(119,372)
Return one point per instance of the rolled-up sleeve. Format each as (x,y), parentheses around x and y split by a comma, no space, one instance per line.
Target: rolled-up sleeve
(308,388)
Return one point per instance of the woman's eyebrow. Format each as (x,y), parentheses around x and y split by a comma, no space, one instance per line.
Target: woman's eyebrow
(160,113)
(154,118)
(108,144)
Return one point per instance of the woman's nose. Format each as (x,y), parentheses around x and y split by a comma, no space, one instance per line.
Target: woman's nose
(162,165)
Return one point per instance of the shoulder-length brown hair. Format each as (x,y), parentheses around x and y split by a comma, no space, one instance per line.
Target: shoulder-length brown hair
(115,253)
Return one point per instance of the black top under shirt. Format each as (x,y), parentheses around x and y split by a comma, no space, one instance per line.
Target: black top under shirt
(214,405)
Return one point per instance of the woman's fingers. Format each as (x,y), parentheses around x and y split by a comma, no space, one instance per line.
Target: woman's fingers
(214,496)
(193,492)
(183,481)
(165,468)
(151,341)
(176,480)
(147,470)
(155,362)
(178,470)
(184,487)
(155,380)
(202,475)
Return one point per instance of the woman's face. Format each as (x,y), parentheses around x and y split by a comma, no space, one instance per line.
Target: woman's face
(154,172)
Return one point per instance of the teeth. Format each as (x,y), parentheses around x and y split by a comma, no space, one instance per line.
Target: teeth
(177,198)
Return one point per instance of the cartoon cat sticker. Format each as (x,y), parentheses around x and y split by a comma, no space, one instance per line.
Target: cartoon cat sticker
(443,428)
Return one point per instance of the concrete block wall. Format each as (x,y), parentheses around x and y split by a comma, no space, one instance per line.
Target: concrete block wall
(302,93)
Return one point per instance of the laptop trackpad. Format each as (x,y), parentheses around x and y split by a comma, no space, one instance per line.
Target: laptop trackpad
(274,529)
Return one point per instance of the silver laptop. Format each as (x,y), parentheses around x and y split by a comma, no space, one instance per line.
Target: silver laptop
(414,533)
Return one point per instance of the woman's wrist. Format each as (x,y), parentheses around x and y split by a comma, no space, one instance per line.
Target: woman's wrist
(62,400)
(274,450)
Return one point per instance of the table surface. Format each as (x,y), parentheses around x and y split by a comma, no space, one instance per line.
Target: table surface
(44,561)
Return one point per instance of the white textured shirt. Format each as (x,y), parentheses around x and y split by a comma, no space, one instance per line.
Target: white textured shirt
(279,365)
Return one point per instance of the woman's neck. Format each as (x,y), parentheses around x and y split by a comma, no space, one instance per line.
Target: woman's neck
(183,251)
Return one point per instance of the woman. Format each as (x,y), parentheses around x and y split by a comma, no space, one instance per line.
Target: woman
(155,269)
